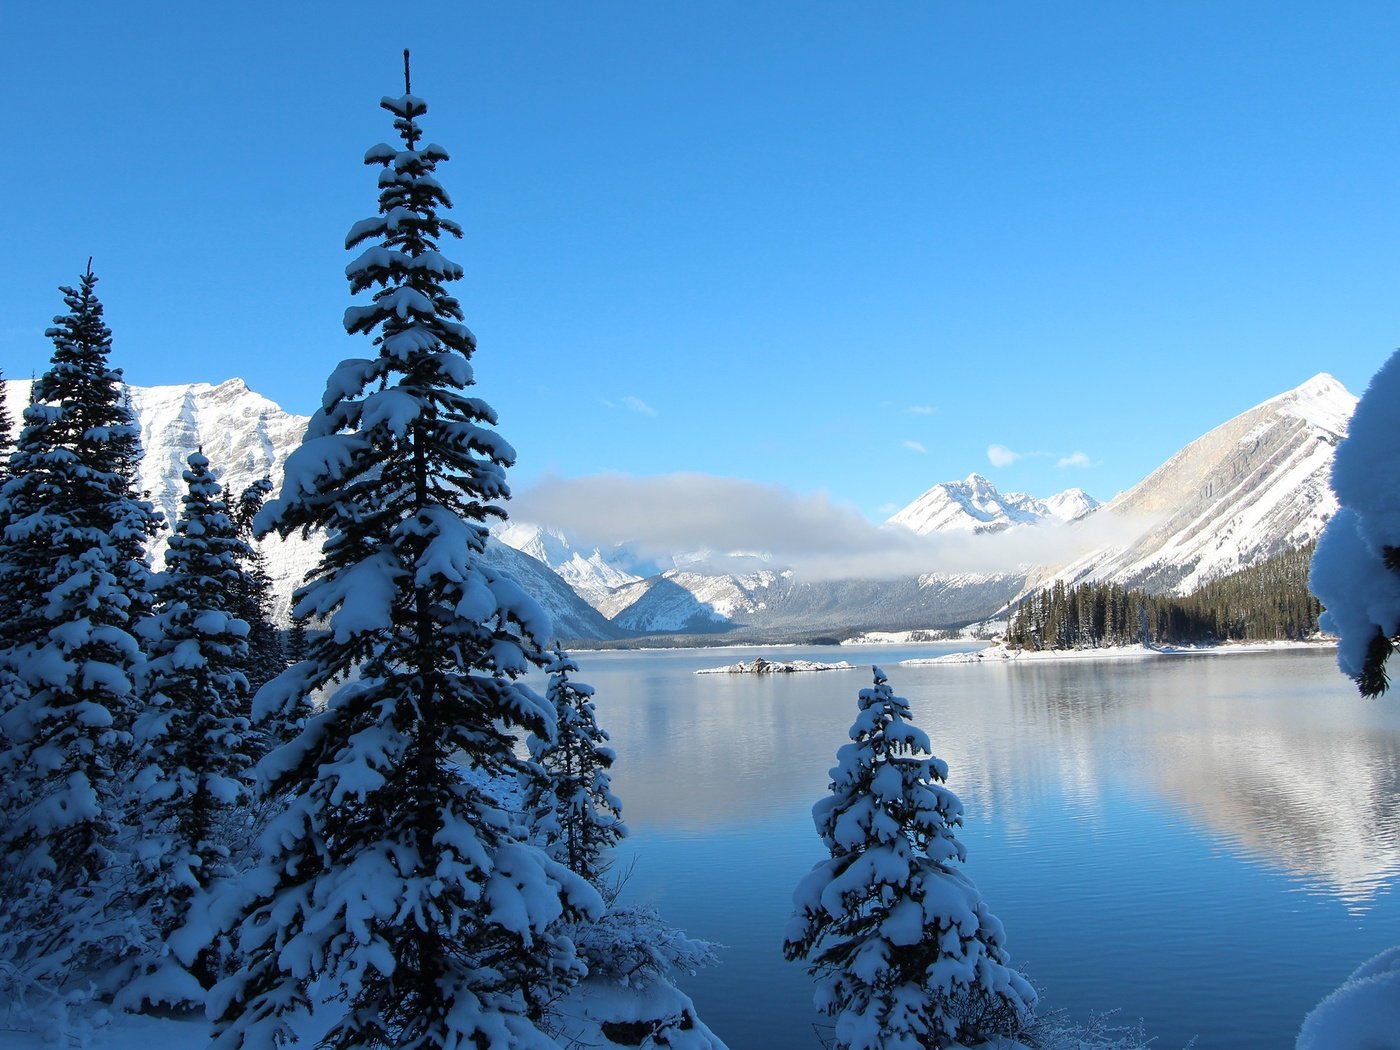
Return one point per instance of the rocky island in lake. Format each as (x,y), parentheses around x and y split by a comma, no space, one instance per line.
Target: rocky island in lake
(761,666)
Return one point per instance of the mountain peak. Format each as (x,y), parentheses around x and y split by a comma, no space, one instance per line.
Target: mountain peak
(975,505)
(1322,401)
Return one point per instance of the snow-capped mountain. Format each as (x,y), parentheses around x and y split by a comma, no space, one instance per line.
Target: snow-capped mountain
(1246,491)
(248,437)
(593,577)
(975,505)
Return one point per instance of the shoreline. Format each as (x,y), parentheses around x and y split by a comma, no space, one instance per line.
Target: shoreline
(998,655)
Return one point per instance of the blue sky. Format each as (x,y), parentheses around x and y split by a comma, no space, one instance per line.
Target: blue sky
(840,248)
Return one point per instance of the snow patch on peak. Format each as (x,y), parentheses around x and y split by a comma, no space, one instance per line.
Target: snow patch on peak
(1322,401)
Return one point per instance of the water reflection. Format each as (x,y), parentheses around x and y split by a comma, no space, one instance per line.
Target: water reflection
(1301,774)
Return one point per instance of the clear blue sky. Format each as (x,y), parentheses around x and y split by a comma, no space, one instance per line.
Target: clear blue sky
(790,243)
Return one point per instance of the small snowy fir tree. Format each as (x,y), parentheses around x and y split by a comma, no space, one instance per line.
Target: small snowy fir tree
(397,877)
(905,952)
(75,582)
(1356,567)
(193,735)
(7,426)
(575,813)
(253,592)
(297,640)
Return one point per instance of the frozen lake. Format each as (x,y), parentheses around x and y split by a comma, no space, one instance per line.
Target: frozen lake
(1209,843)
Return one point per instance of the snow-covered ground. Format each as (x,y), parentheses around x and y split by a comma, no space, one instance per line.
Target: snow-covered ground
(996,654)
(585,1016)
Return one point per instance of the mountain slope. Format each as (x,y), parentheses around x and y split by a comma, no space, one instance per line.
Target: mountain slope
(1247,490)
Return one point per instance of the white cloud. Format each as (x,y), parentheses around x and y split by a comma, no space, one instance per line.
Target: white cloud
(915,446)
(639,406)
(809,533)
(1074,459)
(920,410)
(1001,456)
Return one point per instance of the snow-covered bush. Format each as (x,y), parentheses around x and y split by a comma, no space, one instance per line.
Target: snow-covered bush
(1362,1014)
(1356,568)
(905,951)
(631,945)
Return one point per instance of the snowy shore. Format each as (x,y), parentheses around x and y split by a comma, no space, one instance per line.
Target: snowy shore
(996,654)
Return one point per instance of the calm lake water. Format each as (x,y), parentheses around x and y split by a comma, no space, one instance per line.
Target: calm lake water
(1209,844)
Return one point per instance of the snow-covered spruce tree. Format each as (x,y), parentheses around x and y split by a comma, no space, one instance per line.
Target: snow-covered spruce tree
(75,582)
(396,877)
(574,812)
(192,734)
(904,950)
(1356,567)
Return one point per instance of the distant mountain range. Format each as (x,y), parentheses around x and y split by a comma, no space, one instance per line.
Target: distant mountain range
(1254,486)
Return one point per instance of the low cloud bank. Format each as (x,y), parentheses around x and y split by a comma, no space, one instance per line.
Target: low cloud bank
(812,534)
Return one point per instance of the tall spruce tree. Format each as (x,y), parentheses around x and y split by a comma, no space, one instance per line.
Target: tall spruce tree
(574,811)
(397,874)
(193,734)
(75,581)
(905,952)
